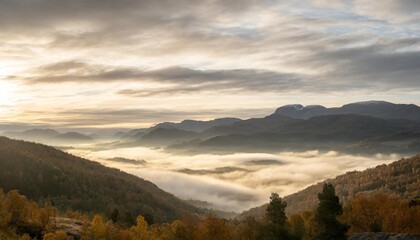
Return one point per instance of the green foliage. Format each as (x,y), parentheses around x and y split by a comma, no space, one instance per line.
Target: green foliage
(276,210)
(326,215)
(275,228)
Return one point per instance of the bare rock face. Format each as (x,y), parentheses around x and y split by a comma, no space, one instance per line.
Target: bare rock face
(383,236)
(72,227)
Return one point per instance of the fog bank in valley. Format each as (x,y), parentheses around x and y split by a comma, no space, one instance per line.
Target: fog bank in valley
(233,182)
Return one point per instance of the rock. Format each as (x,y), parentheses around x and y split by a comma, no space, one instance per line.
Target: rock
(72,227)
(383,236)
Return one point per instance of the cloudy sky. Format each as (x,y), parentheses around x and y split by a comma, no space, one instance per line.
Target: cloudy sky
(126,63)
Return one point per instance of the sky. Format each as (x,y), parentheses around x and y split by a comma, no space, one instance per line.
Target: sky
(102,64)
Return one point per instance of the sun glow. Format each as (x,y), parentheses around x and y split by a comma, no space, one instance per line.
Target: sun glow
(7,95)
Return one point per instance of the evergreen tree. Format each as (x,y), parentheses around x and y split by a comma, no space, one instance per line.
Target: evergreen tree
(276,216)
(326,216)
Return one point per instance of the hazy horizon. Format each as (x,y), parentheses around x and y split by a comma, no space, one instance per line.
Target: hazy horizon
(129,64)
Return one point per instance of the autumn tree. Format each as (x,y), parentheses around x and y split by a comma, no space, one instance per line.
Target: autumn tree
(381,212)
(213,228)
(58,235)
(296,226)
(311,225)
(326,215)
(248,229)
(139,231)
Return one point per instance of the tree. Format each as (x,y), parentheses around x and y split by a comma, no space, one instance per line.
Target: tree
(326,215)
(248,229)
(297,226)
(98,228)
(59,235)
(139,231)
(276,210)
(276,216)
(213,228)
(381,212)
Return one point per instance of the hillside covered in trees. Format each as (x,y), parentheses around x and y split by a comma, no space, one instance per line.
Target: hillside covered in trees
(400,178)
(23,219)
(45,174)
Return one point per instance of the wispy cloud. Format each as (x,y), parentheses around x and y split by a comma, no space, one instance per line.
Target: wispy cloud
(262,52)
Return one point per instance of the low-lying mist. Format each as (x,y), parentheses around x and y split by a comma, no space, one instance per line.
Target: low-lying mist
(233,182)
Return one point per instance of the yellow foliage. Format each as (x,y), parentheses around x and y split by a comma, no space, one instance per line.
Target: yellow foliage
(59,235)
(139,232)
(381,212)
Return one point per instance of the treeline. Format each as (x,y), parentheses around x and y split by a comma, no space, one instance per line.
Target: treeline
(21,218)
(399,177)
(45,174)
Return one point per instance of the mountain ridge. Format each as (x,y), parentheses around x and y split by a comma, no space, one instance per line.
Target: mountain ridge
(46,174)
(379,109)
(399,177)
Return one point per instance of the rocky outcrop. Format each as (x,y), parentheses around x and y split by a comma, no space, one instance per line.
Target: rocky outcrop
(384,236)
(72,227)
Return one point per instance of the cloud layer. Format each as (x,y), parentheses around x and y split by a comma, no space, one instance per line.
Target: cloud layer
(196,55)
(234,182)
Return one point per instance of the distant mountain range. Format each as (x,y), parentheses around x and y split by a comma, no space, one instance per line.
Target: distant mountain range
(46,174)
(186,125)
(365,127)
(400,178)
(378,109)
(49,136)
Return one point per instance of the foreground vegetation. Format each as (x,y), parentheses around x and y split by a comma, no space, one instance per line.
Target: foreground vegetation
(21,218)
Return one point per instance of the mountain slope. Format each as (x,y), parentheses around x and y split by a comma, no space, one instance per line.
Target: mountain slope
(334,132)
(33,134)
(378,109)
(197,126)
(186,125)
(249,126)
(400,177)
(165,136)
(49,136)
(46,174)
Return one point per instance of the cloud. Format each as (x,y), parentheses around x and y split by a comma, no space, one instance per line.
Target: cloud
(390,10)
(219,170)
(264,162)
(229,182)
(179,54)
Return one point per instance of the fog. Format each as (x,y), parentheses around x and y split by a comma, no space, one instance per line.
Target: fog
(234,182)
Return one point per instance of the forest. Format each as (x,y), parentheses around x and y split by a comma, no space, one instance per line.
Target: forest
(45,174)
(24,219)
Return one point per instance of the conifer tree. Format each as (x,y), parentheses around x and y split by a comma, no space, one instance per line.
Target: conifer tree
(326,216)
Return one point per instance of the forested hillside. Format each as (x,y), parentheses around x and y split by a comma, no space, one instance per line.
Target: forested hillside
(46,174)
(400,178)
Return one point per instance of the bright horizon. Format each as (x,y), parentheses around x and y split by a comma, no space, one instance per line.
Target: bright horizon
(131,64)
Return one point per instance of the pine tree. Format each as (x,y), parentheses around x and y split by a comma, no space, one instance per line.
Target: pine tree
(276,210)
(326,216)
(276,216)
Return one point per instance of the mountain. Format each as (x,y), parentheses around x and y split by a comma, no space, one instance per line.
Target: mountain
(165,136)
(197,126)
(49,136)
(33,134)
(400,177)
(249,126)
(186,125)
(344,133)
(378,109)
(73,137)
(46,174)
